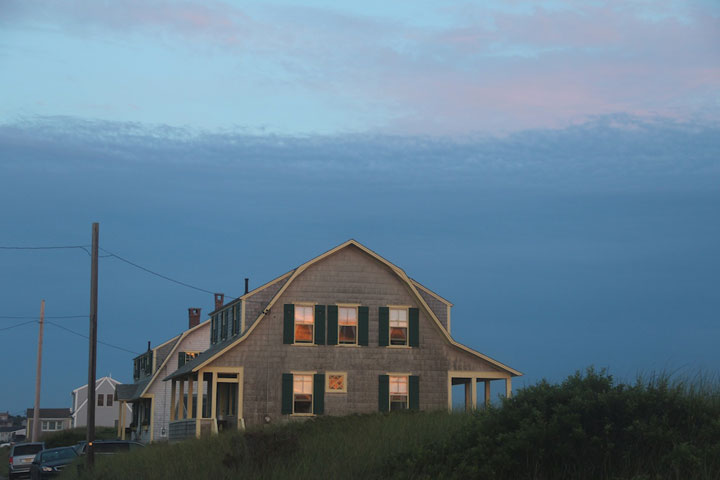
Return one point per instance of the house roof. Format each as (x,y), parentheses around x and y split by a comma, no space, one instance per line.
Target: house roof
(128,394)
(220,348)
(50,413)
(100,380)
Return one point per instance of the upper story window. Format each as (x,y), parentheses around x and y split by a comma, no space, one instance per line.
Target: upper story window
(398,392)
(236,312)
(100,399)
(398,326)
(304,324)
(109,400)
(347,325)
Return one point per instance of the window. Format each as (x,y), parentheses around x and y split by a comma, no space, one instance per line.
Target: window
(347,325)
(336,382)
(109,400)
(398,392)
(223,325)
(302,394)
(213,329)
(398,326)
(304,323)
(236,319)
(51,425)
(100,398)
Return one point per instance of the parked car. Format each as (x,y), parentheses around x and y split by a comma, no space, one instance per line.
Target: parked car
(49,463)
(21,457)
(108,447)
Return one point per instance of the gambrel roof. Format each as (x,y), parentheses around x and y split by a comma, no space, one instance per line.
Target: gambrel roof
(220,348)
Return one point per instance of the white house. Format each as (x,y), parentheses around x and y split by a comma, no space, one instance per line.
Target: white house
(106,412)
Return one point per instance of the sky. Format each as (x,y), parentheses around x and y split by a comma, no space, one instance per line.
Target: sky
(552,168)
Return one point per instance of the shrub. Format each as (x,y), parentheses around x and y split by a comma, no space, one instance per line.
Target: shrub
(588,427)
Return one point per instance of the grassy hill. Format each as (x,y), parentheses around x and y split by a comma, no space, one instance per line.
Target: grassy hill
(587,427)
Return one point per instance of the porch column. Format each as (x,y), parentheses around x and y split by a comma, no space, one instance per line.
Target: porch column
(172,400)
(240,419)
(473,386)
(487,393)
(449,393)
(120,417)
(468,395)
(508,387)
(181,400)
(213,405)
(190,397)
(122,426)
(200,393)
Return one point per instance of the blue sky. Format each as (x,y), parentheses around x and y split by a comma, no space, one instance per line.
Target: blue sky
(551,168)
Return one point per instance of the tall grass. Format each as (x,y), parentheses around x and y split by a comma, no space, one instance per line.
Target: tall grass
(587,427)
(351,447)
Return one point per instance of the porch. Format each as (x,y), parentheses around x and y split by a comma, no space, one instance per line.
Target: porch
(471,380)
(216,393)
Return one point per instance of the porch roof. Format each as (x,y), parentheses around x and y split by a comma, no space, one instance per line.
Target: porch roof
(132,391)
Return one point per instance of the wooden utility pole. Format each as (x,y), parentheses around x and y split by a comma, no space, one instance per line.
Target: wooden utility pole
(38,372)
(90,456)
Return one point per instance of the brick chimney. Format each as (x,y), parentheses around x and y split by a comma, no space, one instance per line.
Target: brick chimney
(219,300)
(193,317)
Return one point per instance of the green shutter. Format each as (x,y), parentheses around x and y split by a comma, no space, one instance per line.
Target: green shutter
(181,359)
(384,326)
(319,393)
(212,329)
(384,393)
(287,393)
(414,327)
(363,313)
(332,325)
(289,323)
(320,324)
(414,392)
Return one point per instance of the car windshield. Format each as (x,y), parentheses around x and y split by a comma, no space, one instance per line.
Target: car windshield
(58,454)
(26,449)
(110,447)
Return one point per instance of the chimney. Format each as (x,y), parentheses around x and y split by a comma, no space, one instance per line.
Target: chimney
(148,345)
(247,283)
(219,300)
(193,317)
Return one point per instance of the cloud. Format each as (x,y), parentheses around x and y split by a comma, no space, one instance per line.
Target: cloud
(489,69)
(610,152)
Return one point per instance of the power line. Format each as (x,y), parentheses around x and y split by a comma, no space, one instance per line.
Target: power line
(20,317)
(61,247)
(85,336)
(18,325)
(84,248)
(111,254)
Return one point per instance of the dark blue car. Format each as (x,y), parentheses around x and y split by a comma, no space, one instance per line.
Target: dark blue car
(49,463)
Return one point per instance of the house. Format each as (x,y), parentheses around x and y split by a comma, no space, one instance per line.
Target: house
(346,332)
(51,420)
(11,433)
(149,397)
(5,419)
(106,413)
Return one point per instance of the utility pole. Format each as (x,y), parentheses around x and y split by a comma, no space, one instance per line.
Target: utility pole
(38,372)
(90,456)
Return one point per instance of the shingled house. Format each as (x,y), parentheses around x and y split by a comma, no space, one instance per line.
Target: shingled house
(148,395)
(345,332)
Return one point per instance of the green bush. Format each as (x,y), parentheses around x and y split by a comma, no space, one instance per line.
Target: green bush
(71,436)
(588,427)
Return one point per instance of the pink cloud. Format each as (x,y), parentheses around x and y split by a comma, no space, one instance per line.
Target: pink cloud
(492,71)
